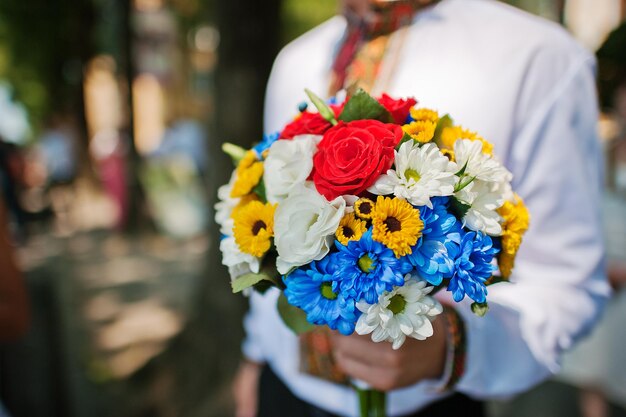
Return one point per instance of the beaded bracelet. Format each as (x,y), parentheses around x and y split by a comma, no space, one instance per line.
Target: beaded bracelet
(457,343)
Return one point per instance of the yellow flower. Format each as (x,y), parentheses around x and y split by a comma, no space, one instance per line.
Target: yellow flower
(254,226)
(363,208)
(421,131)
(448,153)
(450,135)
(516,221)
(350,228)
(425,114)
(396,224)
(249,173)
(243,201)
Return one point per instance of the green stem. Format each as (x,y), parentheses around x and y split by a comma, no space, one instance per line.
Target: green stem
(378,403)
(364,401)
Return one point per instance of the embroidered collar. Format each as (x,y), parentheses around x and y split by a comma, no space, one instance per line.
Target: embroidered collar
(385,16)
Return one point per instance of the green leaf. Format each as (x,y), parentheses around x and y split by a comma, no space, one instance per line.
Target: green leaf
(259,189)
(269,269)
(461,171)
(234,151)
(463,182)
(444,121)
(363,106)
(480,309)
(458,208)
(321,106)
(248,280)
(293,316)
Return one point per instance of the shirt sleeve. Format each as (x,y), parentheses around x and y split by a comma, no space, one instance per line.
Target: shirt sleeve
(251,346)
(558,287)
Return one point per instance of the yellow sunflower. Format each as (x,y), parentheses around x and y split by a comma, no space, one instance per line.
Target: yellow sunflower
(516,221)
(243,202)
(423,114)
(448,153)
(363,208)
(450,135)
(249,172)
(396,224)
(254,226)
(421,131)
(350,228)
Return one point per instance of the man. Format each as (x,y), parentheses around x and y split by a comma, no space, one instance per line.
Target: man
(523,84)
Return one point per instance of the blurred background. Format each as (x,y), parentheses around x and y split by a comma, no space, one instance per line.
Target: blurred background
(112,114)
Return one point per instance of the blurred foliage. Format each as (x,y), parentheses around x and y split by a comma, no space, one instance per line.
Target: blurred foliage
(44,45)
(550,9)
(612,65)
(41,46)
(299,16)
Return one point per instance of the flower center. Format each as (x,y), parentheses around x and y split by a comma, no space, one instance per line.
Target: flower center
(327,291)
(366,263)
(257,226)
(347,232)
(393,224)
(412,174)
(365,208)
(397,304)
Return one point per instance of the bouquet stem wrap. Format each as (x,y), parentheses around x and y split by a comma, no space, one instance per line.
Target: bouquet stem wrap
(372,403)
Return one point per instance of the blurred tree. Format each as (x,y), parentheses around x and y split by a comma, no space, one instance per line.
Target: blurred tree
(550,9)
(612,65)
(43,44)
(299,16)
(191,377)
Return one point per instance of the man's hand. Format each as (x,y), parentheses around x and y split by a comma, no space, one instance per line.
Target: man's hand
(245,389)
(616,271)
(384,368)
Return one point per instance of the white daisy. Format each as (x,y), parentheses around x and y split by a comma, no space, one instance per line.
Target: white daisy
(238,262)
(224,208)
(420,172)
(469,153)
(484,199)
(405,311)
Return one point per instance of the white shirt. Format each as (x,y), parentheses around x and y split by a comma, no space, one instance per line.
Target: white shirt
(527,87)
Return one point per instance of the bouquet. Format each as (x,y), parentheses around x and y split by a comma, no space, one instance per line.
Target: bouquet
(360,211)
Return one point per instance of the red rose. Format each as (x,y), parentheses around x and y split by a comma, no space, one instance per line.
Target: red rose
(307,123)
(399,109)
(351,156)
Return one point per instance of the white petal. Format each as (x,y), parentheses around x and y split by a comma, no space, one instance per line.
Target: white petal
(398,342)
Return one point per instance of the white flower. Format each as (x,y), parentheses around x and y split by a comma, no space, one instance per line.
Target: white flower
(238,262)
(421,173)
(288,164)
(404,311)
(304,227)
(484,199)
(479,165)
(224,208)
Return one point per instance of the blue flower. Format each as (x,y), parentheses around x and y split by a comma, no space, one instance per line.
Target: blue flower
(314,291)
(430,254)
(472,260)
(366,268)
(268,140)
